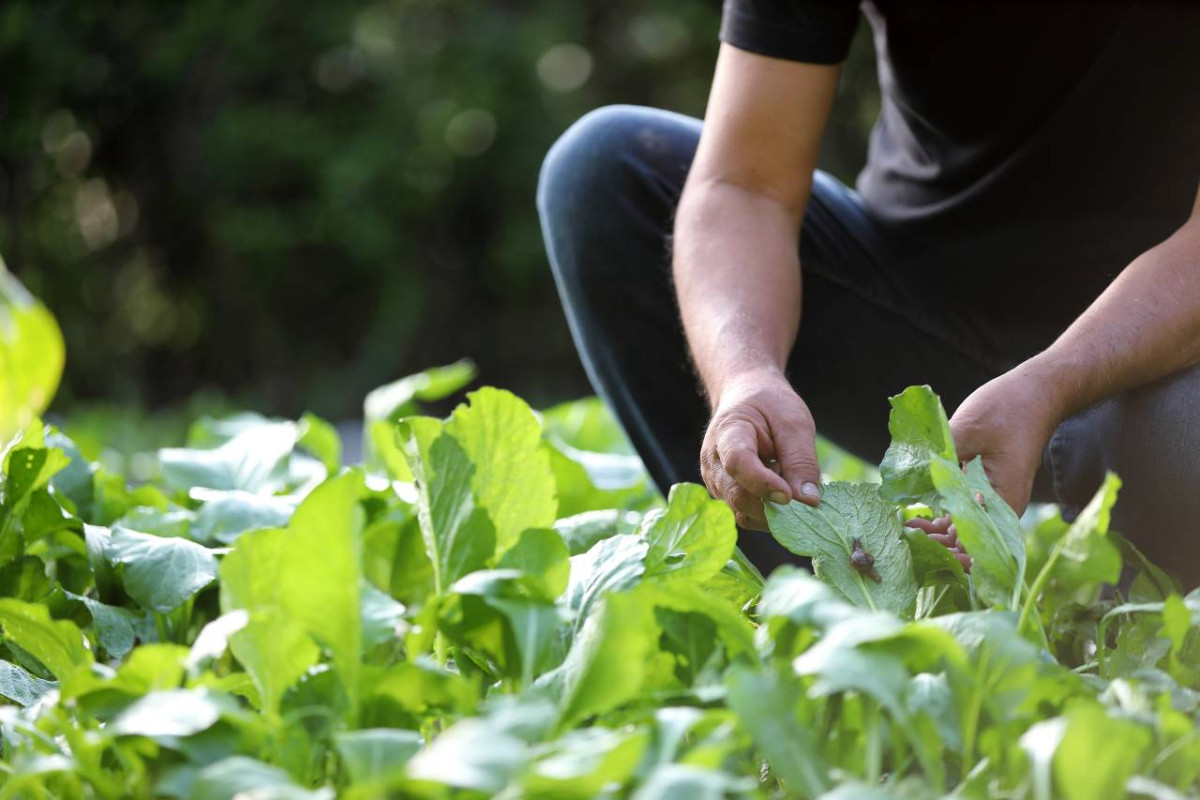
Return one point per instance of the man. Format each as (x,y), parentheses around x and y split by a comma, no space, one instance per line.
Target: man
(1025,238)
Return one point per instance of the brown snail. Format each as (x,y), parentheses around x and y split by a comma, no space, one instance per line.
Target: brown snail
(863,562)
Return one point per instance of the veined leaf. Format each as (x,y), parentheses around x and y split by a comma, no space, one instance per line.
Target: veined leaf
(459,536)
(827,533)
(691,539)
(919,430)
(161,572)
(31,356)
(511,480)
(57,644)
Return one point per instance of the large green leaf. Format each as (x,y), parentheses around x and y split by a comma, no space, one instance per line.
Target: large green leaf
(171,713)
(28,467)
(239,776)
(377,755)
(160,572)
(1097,754)
(19,686)
(919,430)
(57,644)
(767,706)
(997,550)
(484,753)
(227,515)
(689,541)
(609,658)
(254,460)
(31,356)
(613,565)
(826,533)
(511,479)
(388,404)
(581,763)
(305,578)
(459,536)
(273,646)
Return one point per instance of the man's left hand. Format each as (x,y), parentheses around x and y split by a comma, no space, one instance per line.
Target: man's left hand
(1008,421)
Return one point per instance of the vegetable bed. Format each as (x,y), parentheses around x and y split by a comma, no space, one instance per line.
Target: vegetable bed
(499,604)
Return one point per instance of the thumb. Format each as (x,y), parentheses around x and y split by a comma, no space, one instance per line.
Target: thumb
(797,456)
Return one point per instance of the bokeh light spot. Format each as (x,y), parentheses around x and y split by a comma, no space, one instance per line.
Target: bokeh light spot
(471,132)
(565,67)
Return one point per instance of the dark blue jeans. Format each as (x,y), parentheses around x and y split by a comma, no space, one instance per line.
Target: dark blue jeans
(871,324)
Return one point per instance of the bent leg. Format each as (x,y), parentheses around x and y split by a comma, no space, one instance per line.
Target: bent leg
(607,197)
(1150,437)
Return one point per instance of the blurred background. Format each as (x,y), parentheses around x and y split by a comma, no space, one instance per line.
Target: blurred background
(280,206)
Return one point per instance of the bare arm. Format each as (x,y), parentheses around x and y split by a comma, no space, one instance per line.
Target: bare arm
(1144,326)
(737,273)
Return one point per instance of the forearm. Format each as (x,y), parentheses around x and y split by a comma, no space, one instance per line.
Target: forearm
(1144,326)
(737,277)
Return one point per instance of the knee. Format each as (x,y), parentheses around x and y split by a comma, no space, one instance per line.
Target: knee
(594,161)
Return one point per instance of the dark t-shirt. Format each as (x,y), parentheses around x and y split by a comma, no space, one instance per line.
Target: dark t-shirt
(1029,149)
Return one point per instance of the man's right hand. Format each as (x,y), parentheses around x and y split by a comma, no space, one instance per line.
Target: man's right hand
(760,444)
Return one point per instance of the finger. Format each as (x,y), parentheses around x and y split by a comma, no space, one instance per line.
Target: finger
(796,450)
(745,505)
(737,455)
(943,540)
(748,506)
(965,560)
(939,525)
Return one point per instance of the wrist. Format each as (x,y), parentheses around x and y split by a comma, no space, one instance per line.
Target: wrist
(738,380)
(1052,387)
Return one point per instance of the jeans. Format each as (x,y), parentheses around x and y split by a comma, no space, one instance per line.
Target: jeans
(871,324)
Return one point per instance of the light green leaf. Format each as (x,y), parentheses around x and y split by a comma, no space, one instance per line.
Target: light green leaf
(732,625)
(227,515)
(826,533)
(382,617)
(582,531)
(273,647)
(609,658)
(321,439)
(242,777)
(21,687)
(57,644)
(996,555)
(919,430)
(613,565)
(176,712)
(27,469)
(388,404)
(321,571)
(1085,554)
(691,540)
(377,755)
(484,753)
(512,479)
(254,460)
(117,628)
(1098,753)
(31,356)
(690,782)
(581,763)
(160,572)
(459,536)
(542,556)
(767,707)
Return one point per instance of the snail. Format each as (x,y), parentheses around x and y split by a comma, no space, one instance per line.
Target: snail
(863,562)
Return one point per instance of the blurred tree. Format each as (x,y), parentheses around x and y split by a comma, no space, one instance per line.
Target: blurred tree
(297,202)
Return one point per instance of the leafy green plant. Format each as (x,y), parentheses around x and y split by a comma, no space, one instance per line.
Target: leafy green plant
(496,604)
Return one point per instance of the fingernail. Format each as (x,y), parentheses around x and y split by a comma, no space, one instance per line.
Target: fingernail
(779,497)
(810,490)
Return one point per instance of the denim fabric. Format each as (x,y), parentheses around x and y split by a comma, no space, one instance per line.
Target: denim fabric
(872,323)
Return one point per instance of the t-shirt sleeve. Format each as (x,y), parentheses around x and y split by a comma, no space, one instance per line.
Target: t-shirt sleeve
(813,31)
